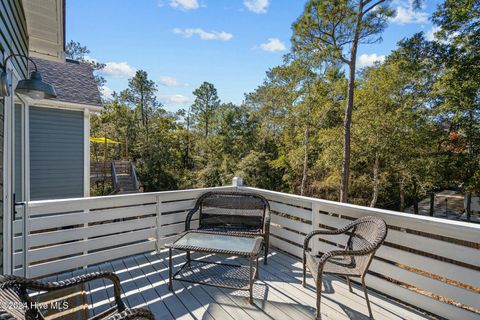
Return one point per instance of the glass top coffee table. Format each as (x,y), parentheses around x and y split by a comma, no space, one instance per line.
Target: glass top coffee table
(204,271)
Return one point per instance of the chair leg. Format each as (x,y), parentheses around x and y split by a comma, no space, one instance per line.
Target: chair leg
(304,282)
(265,249)
(349,284)
(366,298)
(318,314)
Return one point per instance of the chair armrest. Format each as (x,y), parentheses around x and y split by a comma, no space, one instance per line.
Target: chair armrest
(336,253)
(133,314)
(57,285)
(328,232)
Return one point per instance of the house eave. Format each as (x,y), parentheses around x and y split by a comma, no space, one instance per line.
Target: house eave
(46,28)
(59,104)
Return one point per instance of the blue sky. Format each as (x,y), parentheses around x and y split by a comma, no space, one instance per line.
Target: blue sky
(181,43)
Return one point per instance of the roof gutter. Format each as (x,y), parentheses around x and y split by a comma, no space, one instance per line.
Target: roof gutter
(58,104)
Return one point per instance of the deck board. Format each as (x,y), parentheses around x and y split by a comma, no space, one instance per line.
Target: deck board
(278,293)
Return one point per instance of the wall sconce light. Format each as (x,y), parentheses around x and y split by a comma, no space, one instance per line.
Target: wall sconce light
(34,87)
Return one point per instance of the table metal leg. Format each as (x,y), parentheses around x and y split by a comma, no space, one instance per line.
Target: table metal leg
(170,270)
(251,280)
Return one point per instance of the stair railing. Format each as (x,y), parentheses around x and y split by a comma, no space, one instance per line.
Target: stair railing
(133,174)
(114,178)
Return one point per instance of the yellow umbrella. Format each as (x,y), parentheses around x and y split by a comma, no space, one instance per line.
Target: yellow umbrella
(103,140)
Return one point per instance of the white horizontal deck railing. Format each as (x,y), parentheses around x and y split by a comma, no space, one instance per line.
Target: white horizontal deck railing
(66,234)
(427,262)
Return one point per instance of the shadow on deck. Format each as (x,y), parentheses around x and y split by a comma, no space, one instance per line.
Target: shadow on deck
(278,294)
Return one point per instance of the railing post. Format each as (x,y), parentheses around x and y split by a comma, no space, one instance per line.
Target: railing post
(315,224)
(158,223)
(237,182)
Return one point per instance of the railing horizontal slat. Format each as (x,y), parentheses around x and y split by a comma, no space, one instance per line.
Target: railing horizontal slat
(291,210)
(291,224)
(176,228)
(427,303)
(287,247)
(36,208)
(287,234)
(49,238)
(91,258)
(437,267)
(176,218)
(70,219)
(90,244)
(444,289)
(178,205)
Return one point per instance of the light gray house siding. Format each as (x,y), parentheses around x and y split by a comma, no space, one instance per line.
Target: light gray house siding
(56,153)
(13,39)
(13,33)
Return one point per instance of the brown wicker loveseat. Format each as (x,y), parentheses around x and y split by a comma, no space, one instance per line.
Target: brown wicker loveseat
(233,212)
(16,304)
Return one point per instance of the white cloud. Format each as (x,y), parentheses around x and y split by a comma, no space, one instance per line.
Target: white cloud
(106,92)
(431,34)
(202,34)
(257,6)
(118,70)
(184,4)
(175,98)
(273,45)
(368,60)
(170,82)
(405,13)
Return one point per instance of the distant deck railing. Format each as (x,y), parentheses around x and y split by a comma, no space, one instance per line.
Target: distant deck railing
(427,262)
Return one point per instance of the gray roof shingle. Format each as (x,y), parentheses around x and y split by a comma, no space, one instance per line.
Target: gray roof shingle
(73,81)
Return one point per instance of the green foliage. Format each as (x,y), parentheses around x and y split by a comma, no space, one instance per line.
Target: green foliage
(205,106)
(329,32)
(328,27)
(141,95)
(415,123)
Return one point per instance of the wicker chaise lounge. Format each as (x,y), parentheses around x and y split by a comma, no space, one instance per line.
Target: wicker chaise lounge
(233,212)
(366,235)
(15,303)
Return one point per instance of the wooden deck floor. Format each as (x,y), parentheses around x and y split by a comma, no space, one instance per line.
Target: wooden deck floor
(278,293)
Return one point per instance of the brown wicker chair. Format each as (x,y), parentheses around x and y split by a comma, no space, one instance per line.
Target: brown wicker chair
(366,235)
(15,302)
(233,212)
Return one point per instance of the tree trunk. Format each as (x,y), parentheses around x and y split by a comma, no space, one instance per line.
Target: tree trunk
(346,137)
(376,182)
(432,203)
(402,194)
(186,162)
(305,162)
(147,131)
(415,195)
(468,208)
(206,124)
(349,108)
(142,106)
